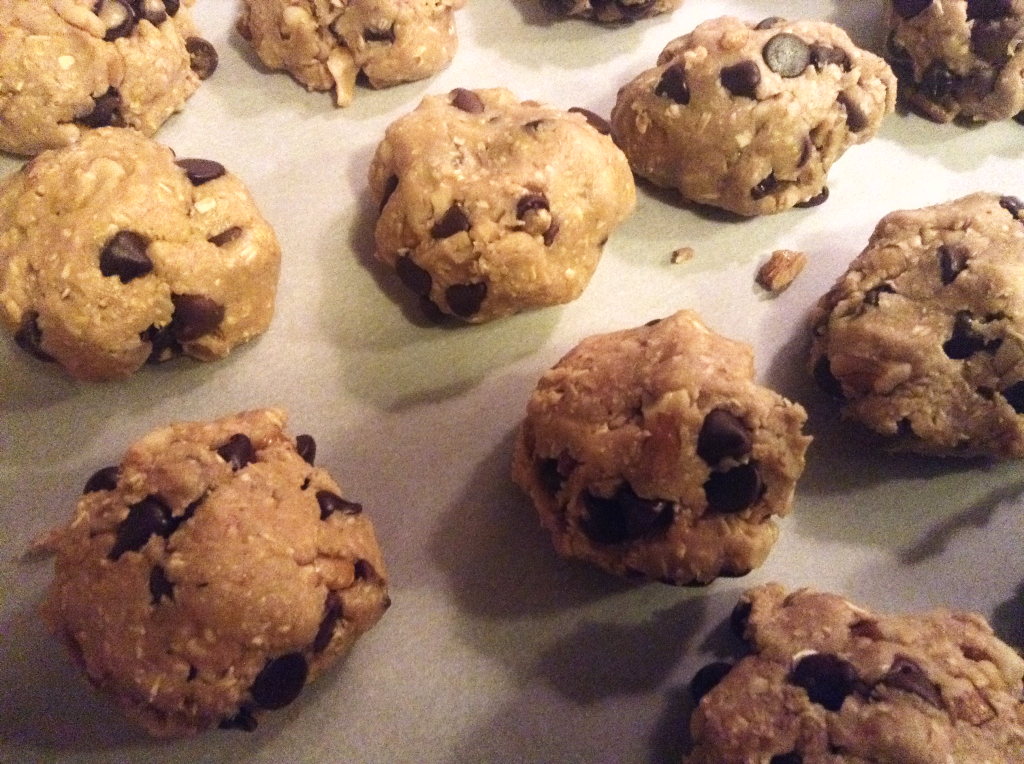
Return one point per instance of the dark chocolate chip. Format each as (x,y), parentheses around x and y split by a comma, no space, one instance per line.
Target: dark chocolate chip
(673,84)
(159,585)
(245,720)
(549,476)
(146,518)
(118,16)
(872,296)
(741,79)
(1019,117)
(827,678)
(364,571)
(280,681)
(722,434)
(826,55)
(820,198)
(856,118)
(305,445)
(467,101)
(625,516)
(465,300)
(988,10)
(991,41)
(793,757)
(786,55)
(202,57)
(910,8)
(172,6)
(390,186)
(905,674)
(531,202)
(387,34)
(29,337)
(152,11)
(826,380)
(125,256)
(937,81)
(102,480)
(226,236)
(194,316)
(965,340)
(106,111)
(200,171)
(551,233)
(333,611)
(193,672)
(705,680)
(739,617)
(735,489)
(631,10)
(163,346)
(767,186)
(1013,205)
(1014,395)
(900,60)
(596,121)
(454,221)
(768,23)
(238,451)
(415,278)
(330,503)
(952,261)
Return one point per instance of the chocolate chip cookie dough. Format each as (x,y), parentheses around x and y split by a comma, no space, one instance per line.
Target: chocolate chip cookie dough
(112,253)
(829,681)
(750,117)
(652,453)
(611,11)
(490,206)
(326,45)
(959,58)
(67,66)
(213,574)
(921,338)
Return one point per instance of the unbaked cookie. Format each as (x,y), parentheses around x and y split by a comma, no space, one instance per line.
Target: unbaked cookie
(834,683)
(212,574)
(490,206)
(326,45)
(67,66)
(652,453)
(113,253)
(959,58)
(922,339)
(751,117)
(611,11)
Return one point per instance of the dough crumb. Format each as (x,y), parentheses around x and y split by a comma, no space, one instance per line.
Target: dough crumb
(779,270)
(682,254)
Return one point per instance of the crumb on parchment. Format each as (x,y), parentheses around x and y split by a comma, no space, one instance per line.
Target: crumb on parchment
(779,270)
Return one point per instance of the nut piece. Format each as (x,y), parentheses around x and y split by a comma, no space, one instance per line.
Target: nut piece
(780,269)
(682,254)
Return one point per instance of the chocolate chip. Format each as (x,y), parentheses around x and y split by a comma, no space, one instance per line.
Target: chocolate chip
(125,256)
(244,720)
(768,23)
(767,186)
(827,678)
(202,57)
(467,101)
(152,11)
(793,757)
(1019,117)
(531,202)
(625,516)
(910,8)
(739,617)
(937,81)
(549,476)
(988,10)
(820,198)
(872,296)
(159,585)
(899,59)
(172,6)
(952,261)
(194,316)
(106,111)
(1014,395)
(146,518)
(991,41)
(163,346)
(596,121)
(117,16)
(551,233)
(29,337)
(415,278)
(1013,205)
(733,490)
(102,480)
(786,55)
(330,503)
(856,118)
(741,79)
(200,171)
(705,680)
(387,34)
(826,380)
(966,340)
(722,434)
(364,571)
(305,445)
(631,10)
(673,84)
(332,614)
(452,222)
(905,674)
(238,451)
(226,236)
(826,55)
(390,186)
(193,672)
(280,681)
(465,300)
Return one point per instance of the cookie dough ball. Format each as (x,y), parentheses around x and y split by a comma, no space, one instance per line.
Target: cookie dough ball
(751,117)
(67,66)
(652,453)
(829,681)
(489,206)
(326,45)
(213,574)
(113,253)
(611,11)
(959,58)
(922,339)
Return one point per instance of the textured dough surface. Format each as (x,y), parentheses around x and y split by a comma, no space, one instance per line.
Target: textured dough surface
(651,452)
(830,682)
(766,142)
(237,594)
(491,206)
(208,246)
(611,11)
(922,339)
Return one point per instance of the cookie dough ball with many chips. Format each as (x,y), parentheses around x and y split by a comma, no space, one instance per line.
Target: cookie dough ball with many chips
(490,206)
(921,338)
(651,452)
(113,253)
(326,45)
(829,681)
(611,11)
(959,58)
(212,574)
(67,67)
(750,118)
